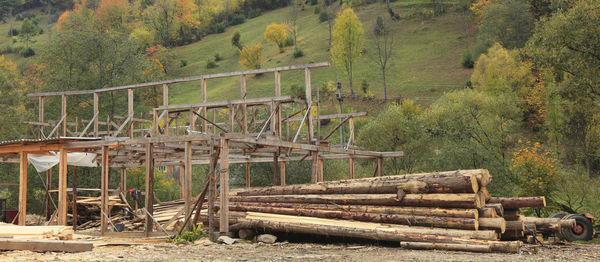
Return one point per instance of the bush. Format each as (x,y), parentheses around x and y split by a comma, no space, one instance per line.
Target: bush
(218,57)
(253,13)
(364,86)
(27,52)
(217,28)
(236,40)
(328,89)
(14,31)
(298,52)
(317,10)
(323,16)
(314,2)
(183,63)
(237,19)
(289,41)
(466,60)
(211,63)
(190,236)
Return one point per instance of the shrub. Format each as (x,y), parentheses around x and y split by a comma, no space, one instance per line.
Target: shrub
(289,41)
(27,52)
(317,10)
(236,40)
(217,28)
(237,19)
(218,57)
(253,13)
(364,86)
(210,63)
(297,91)
(328,89)
(323,16)
(190,236)
(466,60)
(251,57)
(183,63)
(298,52)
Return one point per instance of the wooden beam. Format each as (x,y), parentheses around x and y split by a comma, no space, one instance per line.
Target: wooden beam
(226,103)
(74,206)
(165,98)
(104,190)
(247,174)
(149,189)
(130,110)
(380,166)
(47,199)
(282,171)
(315,167)
(182,181)
(224,187)
(244,106)
(321,168)
(182,80)
(308,92)
(123,184)
(204,112)
(62,187)
(44,245)
(351,167)
(41,116)
(22,188)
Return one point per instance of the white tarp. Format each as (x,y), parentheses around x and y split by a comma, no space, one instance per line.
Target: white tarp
(45,162)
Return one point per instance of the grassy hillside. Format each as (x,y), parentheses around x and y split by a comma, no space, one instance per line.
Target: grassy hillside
(426,56)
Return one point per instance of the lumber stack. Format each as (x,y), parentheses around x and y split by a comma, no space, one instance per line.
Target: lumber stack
(36,232)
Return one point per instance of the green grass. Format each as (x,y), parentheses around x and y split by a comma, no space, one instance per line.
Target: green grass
(426,57)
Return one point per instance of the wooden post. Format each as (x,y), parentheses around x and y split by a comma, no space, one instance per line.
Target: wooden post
(62,187)
(165,93)
(149,189)
(204,111)
(187,195)
(130,110)
(315,168)
(351,166)
(123,186)
(182,181)
(282,171)
(212,193)
(380,166)
(155,125)
(244,106)
(351,142)
(231,117)
(104,190)
(308,93)
(247,174)
(276,169)
(41,116)
(47,200)
(224,186)
(63,113)
(96,113)
(321,169)
(22,188)
(74,198)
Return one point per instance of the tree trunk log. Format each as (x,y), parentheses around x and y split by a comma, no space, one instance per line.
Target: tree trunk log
(410,185)
(549,224)
(512,214)
(497,207)
(515,225)
(488,212)
(428,221)
(394,210)
(419,200)
(519,202)
(497,224)
(447,246)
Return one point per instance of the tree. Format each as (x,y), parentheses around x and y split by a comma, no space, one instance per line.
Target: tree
(502,69)
(236,40)
(398,128)
(508,22)
(384,44)
(347,42)
(113,14)
(28,31)
(251,57)
(294,17)
(275,34)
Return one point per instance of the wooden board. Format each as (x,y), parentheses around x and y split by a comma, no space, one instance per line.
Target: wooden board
(45,245)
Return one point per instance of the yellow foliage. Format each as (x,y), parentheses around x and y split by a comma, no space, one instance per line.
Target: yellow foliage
(501,68)
(276,35)
(534,169)
(251,57)
(7,64)
(479,5)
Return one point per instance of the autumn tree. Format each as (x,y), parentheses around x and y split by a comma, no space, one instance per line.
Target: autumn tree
(251,57)
(384,44)
(507,22)
(113,14)
(28,31)
(502,69)
(275,34)
(347,42)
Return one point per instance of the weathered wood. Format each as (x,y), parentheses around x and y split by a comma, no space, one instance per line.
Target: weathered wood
(149,162)
(420,200)
(549,224)
(498,224)
(497,207)
(62,187)
(422,184)
(416,211)
(104,189)
(518,225)
(429,221)
(45,245)
(512,214)
(488,212)
(446,246)
(519,202)
(22,188)
(224,186)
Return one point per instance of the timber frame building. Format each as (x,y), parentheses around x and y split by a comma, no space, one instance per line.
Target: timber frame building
(201,140)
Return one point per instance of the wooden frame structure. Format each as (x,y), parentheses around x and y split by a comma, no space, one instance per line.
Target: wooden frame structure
(238,129)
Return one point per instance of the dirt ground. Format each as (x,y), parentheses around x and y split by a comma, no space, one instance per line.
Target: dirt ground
(115,249)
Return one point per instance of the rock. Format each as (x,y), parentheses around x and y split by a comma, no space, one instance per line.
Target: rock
(203,241)
(225,239)
(266,238)
(246,233)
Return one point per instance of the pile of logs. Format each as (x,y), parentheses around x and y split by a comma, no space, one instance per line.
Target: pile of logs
(444,210)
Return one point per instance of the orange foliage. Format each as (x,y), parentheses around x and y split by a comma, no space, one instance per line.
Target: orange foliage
(186,12)
(61,19)
(7,64)
(112,13)
(535,170)
(34,76)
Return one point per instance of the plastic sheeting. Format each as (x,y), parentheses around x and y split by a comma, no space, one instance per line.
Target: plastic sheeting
(42,163)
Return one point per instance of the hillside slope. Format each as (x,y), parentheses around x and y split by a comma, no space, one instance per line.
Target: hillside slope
(426,56)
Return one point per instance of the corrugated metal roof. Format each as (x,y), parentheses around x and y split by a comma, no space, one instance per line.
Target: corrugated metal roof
(50,139)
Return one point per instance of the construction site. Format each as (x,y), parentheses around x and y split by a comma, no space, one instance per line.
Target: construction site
(381,217)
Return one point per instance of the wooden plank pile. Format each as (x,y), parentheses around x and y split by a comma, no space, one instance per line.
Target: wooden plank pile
(40,239)
(444,210)
(36,232)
